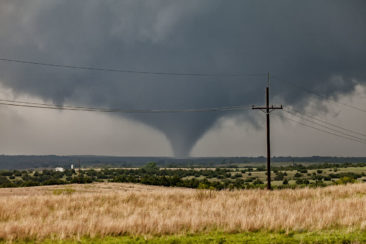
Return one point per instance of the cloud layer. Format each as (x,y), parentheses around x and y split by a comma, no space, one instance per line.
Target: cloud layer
(316,44)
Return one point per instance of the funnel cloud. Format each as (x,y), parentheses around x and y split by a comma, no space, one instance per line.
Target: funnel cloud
(315,44)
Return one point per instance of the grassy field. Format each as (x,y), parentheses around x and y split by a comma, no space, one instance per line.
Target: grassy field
(214,237)
(165,215)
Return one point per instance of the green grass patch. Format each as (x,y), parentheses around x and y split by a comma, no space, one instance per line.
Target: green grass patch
(248,237)
(67,191)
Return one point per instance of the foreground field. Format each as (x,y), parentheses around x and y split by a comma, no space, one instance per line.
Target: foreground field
(340,237)
(113,209)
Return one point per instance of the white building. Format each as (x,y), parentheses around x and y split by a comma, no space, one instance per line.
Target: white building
(59,169)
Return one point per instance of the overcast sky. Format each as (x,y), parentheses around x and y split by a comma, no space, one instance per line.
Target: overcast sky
(316,45)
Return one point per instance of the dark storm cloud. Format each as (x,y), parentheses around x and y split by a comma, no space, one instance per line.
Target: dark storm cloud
(317,44)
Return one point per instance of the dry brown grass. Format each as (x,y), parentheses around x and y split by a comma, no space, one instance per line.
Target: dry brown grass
(114,209)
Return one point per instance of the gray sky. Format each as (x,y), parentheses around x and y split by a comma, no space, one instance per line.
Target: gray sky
(319,45)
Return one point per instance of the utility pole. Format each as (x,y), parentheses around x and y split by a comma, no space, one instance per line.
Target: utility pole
(267,110)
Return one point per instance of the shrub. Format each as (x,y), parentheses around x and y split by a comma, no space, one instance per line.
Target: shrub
(279,177)
(258,182)
(327,178)
(345,180)
(6,173)
(261,168)
(237,175)
(202,186)
(302,182)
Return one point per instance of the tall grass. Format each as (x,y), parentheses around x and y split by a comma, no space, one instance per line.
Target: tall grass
(117,209)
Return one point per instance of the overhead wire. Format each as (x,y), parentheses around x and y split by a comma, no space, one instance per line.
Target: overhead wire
(81,108)
(143,72)
(310,119)
(39,104)
(318,94)
(117,110)
(326,127)
(291,110)
(322,130)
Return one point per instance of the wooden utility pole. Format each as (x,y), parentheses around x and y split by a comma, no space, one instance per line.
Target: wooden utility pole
(268,109)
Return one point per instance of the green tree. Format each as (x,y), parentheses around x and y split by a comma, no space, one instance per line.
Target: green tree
(151,167)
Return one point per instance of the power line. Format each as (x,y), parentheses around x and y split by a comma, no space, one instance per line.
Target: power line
(319,95)
(40,104)
(324,131)
(118,110)
(327,127)
(104,69)
(326,122)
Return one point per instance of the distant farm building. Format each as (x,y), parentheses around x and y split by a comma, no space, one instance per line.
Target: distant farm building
(59,169)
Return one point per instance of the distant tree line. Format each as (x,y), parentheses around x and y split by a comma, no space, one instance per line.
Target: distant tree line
(218,178)
(19,162)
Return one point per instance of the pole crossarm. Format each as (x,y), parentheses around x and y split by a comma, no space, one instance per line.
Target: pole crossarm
(270,108)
